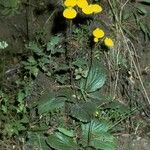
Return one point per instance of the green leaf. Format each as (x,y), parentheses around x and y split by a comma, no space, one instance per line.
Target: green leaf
(83,111)
(4,109)
(98,99)
(19,126)
(58,50)
(60,141)
(32,61)
(20,96)
(34,71)
(50,102)
(95,79)
(145,29)
(145,1)
(80,62)
(35,48)
(117,107)
(13,128)
(141,9)
(44,60)
(51,46)
(68,93)
(95,134)
(36,141)
(25,119)
(62,67)
(66,132)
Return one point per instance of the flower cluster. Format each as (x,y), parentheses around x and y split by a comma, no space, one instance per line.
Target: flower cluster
(98,34)
(70,12)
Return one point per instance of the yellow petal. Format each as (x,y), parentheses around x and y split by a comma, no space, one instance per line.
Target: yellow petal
(82,3)
(96,8)
(70,3)
(108,42)
(95,40)
(98,33)
(69,13)
(87,10)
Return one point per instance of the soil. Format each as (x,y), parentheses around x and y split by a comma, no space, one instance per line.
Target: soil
(128,142)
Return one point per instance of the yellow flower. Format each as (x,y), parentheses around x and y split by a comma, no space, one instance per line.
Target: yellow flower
(69,13)
(108,42)
(82,3)
(87,10)
(70,3)
(95,40)
(92,8)
(98,33)
(96,8)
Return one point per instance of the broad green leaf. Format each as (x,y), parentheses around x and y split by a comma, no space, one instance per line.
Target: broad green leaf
(118,107)
(66,132)
(97,98)
(68,93)
(50,102)
(83,111)
(145,29)
(145,1)
(59,141)
(96,134)
(95,79)
(36,141)
(116,110)
(104,142)
(141,9)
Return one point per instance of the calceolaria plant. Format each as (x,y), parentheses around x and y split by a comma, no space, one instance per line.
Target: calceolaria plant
(68,111)
(79,125)
(76,107)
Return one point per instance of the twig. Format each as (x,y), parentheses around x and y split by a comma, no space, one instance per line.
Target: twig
(128,48)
